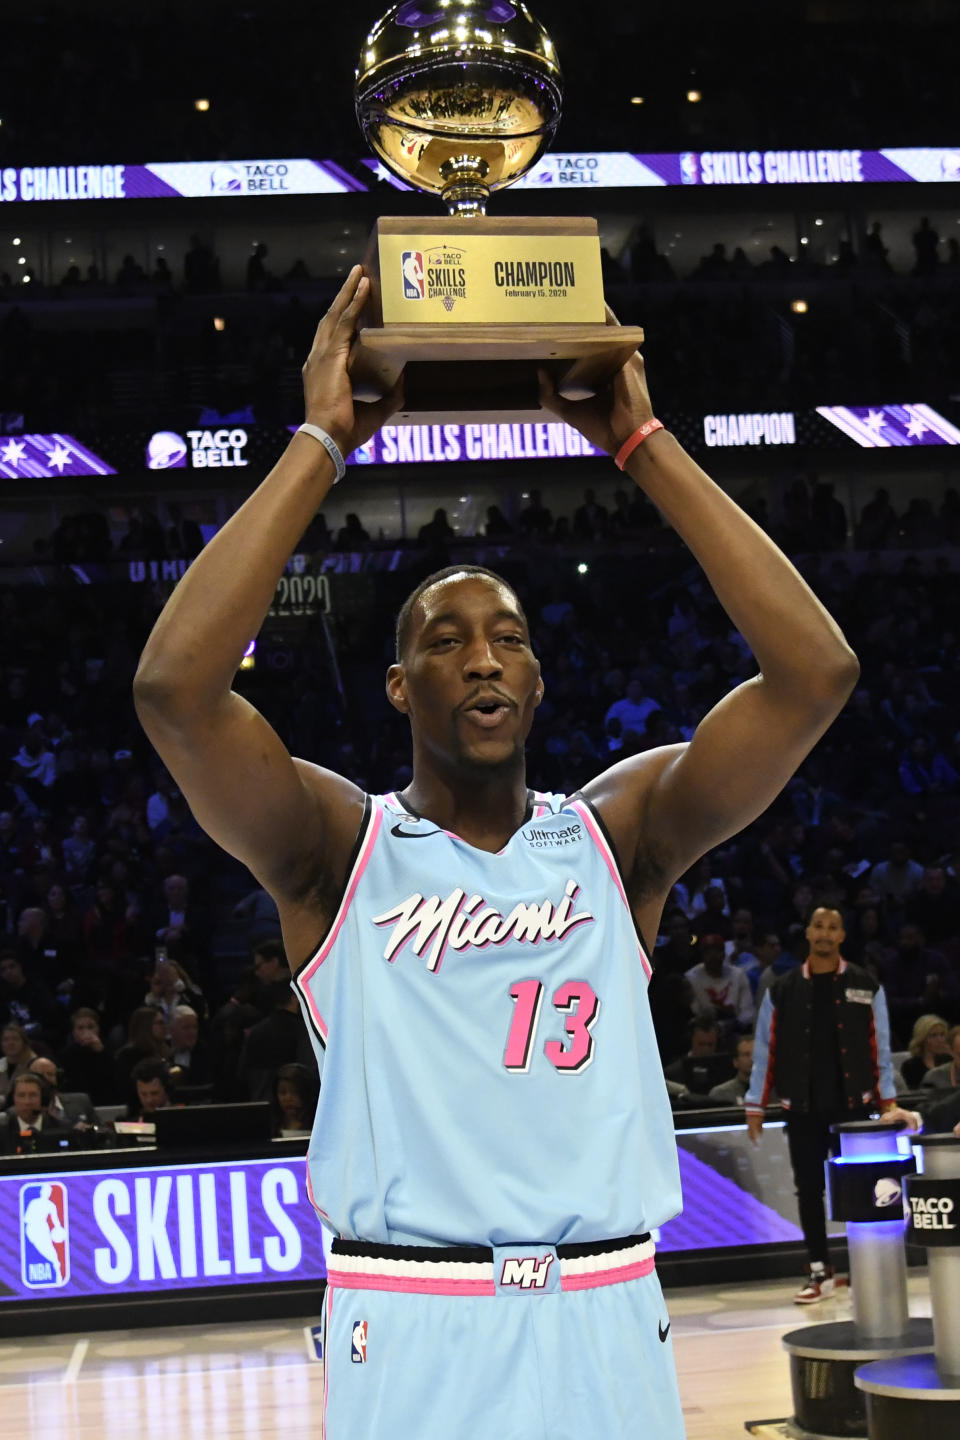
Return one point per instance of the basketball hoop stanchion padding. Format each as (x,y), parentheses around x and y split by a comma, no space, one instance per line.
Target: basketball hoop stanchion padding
(919,1395)
(864,1190)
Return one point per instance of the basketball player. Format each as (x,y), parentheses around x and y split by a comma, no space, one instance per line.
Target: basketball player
(493,1142)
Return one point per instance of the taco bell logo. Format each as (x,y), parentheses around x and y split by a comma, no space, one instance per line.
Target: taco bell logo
(690,167)
(225,180)
(411,263)
(44,1235)
(166,451)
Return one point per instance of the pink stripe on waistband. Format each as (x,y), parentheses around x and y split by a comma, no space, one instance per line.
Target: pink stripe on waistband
(409,1284)
(607,1277)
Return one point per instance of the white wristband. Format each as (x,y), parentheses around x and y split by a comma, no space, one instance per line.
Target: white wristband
(330,445)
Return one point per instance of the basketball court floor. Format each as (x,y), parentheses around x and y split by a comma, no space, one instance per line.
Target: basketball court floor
(264,1381)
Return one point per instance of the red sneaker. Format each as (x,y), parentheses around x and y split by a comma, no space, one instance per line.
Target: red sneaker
(820,1286)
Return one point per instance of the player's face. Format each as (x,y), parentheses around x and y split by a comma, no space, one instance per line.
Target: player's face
(825,932)
(469,680)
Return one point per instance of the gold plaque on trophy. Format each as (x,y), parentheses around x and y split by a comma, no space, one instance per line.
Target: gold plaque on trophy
(460,98)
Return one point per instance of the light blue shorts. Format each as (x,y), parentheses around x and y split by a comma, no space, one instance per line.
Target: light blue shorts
(537,1343)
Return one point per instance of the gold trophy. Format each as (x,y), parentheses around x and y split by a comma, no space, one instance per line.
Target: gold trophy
(460,98)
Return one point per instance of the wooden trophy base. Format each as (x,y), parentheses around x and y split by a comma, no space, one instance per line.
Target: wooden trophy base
(434,282)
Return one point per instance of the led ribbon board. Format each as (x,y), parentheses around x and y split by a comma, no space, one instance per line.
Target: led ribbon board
(610,169)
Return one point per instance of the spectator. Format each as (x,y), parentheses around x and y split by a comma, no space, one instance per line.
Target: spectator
(916,979)
(15,1059)
(734,1090)
(30,1118)
(170,986)
(590,520)
(259,910)
(926,771)
(946,1077)
(535,520)
(704,1042)
(79,850)
(929,1047)
(295,1093)
(35,772)
(25,1001)
(280,1039)
(189,1055)
(271,968)
(228,1030)
(72,1109)
(154,1086)
(632,709)
(935,906)
(719,988)
(351,535)
(146,1040)
(895,878)
(87,1066)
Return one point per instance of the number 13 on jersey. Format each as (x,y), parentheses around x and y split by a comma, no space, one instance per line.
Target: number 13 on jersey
(575,1000)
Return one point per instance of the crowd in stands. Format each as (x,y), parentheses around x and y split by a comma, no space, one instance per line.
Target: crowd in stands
(146,965)
(722,337)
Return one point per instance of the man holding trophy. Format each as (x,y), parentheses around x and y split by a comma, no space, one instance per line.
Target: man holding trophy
(493,1142)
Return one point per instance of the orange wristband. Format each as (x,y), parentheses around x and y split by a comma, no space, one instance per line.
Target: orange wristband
(637,438)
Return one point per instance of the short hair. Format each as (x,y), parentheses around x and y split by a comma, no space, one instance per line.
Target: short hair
(405,616)
(30,1077)
(703,1025)
(85,1013)
(150,1069)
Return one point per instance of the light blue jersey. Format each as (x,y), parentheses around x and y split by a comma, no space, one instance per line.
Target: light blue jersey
(489,1066)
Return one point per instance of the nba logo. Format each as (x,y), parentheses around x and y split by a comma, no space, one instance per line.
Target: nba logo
(690,167)
(411,263)
(44,1235)
(358,1342)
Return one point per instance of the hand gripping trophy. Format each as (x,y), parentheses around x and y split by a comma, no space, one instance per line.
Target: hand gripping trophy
(460,98)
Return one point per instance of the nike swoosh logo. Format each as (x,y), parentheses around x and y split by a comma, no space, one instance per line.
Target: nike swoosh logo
(663,1333)
(402,834)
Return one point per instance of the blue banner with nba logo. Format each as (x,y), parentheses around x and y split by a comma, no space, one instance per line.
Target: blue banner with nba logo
(162,1227)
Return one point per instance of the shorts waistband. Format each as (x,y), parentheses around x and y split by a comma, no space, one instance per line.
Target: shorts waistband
(469,1270)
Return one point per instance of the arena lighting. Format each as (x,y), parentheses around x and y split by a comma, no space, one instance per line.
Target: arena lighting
(799,307)
(636,99)
(818,222)
(201,105)
(804,239)
(22,260)
(582,568)
(16,240)
(219,323)
(694,96)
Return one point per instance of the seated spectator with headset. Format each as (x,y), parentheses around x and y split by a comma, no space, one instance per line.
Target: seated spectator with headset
(72,1109)
(29,1123)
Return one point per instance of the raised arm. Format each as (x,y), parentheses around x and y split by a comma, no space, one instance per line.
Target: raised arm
(678,802)
(286,819)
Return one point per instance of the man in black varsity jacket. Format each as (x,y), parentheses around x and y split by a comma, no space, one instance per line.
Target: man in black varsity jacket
(823,1044)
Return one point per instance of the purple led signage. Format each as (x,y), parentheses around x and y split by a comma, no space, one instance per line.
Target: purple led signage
(183,1227)
(601,169)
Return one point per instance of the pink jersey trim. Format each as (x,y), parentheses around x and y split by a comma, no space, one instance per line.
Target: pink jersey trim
(328,1300)
(312,966)
(607,1277)
(600,841)
(409,1284)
